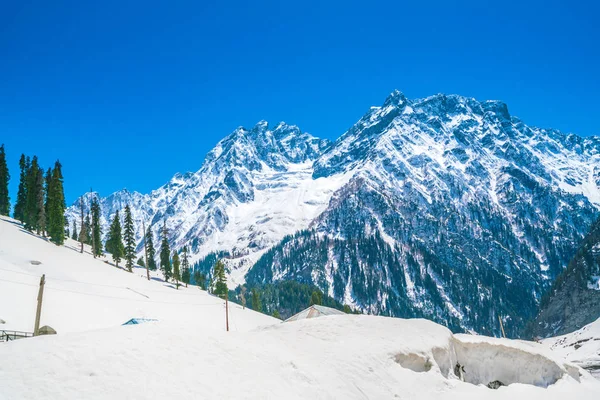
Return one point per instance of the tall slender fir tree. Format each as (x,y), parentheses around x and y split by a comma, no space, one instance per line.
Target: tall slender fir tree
(4,179)
(185,266)
(176,265)
(96,229)
(219,279)
(129,236)
(74,232)
(40,224)
(20,205)
(150,249)
(56,206)
(165,254)
(114,242)
(34,186)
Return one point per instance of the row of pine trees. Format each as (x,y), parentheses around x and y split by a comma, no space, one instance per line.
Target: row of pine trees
(40,203)
(40,206)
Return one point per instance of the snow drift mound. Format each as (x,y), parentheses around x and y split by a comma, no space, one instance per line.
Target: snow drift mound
(488,361)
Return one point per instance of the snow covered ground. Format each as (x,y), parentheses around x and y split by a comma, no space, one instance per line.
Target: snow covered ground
(187,353)
(581,347)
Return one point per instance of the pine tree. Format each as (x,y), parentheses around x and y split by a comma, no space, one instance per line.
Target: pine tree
(88,230)
(33,187)
(74,234)
(114,242)
(140,262)
(83,234)
(176,264)
(47,182)
(316,298)
(256,304)
(4,178)
(219,279)
(165,254)
(185,267)
(151,251)
(19,211)
(40,223)
(56,206)
(129,239)
(96,229)
(200,279)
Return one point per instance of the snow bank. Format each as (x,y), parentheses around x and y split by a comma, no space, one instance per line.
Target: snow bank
(348,356)
(581,347)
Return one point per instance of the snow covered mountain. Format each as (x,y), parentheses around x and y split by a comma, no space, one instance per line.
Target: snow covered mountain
(445,207)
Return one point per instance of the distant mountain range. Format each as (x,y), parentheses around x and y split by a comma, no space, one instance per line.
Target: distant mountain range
(445,207)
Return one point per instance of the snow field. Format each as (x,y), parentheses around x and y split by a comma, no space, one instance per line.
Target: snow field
(187,353)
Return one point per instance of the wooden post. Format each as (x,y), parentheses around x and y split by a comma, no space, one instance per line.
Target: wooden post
(145,249)
(227,312)
(501,327)
(38,313)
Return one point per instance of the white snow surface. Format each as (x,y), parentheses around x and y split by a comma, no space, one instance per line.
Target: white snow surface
(581,347)
(188,354)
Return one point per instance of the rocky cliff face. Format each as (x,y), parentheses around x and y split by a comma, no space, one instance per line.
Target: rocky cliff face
(574,299)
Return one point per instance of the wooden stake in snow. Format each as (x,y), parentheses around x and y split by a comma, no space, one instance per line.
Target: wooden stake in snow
(501,327)
(227,312)
(38,313)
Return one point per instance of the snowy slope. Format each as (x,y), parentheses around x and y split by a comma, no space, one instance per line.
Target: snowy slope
(187,353)
(581,347)
(254,188)
(82,294)
(332,357)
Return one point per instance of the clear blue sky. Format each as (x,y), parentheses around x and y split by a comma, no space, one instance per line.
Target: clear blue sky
(127,93)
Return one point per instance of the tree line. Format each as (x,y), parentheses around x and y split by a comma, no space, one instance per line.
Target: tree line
(40,203)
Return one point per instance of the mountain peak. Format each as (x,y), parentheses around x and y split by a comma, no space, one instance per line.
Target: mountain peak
(396,98)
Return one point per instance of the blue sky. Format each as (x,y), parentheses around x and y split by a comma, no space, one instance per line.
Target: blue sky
(127,93)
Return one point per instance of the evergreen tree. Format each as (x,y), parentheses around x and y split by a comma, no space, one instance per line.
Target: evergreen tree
(165,254)
(114,242)
(96,229)
(40,224)
(185,267)
(74,234)
(47,181)
(200,279)
(316,298)
(56,206)
(276,314)
(150,250)
(256,304)
(83,234)
(176,265)
(88,230)
(4,178)
(129,239)
(219,279)
(33,187)
(140,262)
(67,226)
(19,211)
